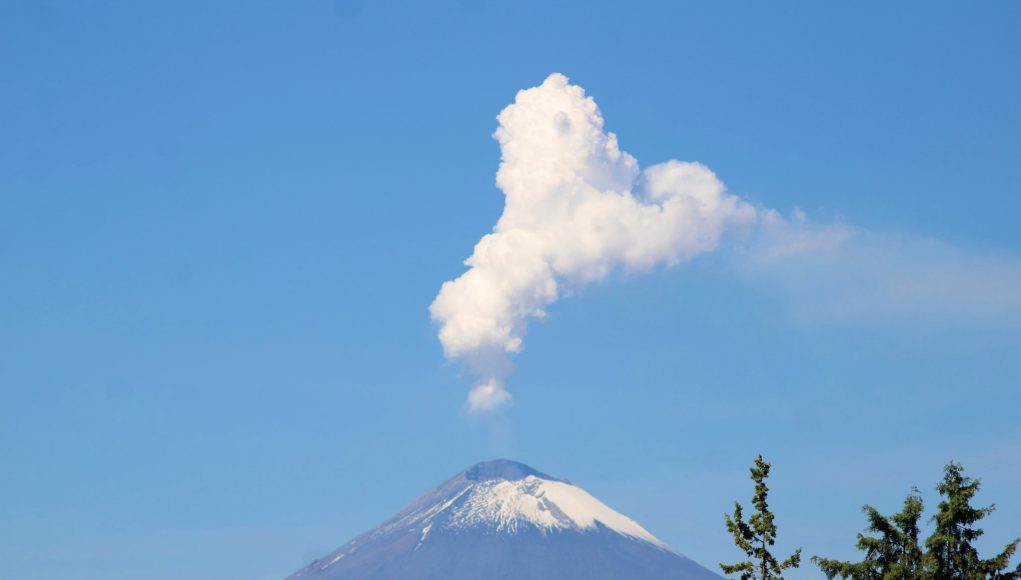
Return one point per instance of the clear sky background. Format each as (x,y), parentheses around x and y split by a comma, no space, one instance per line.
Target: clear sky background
(222,223)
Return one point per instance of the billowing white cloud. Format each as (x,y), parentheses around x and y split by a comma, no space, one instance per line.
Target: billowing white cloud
(577,208)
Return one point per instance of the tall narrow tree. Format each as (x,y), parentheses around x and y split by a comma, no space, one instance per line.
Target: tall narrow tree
(950,546)
(755,536)
(892,554)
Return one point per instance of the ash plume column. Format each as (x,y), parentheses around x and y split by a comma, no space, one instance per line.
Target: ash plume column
(577,208)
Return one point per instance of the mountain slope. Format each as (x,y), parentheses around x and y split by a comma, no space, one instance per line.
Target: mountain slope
(504,520)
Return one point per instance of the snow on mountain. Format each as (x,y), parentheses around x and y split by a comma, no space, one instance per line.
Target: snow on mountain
(502,519)
(541,503)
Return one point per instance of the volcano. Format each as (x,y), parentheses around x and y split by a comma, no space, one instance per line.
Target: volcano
(503,520)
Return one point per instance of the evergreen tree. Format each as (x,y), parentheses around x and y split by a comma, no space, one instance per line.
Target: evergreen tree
(756,535)
(953,557)
(893,554)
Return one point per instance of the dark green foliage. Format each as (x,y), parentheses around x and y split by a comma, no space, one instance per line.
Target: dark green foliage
(756,535)
(950,545)
(895,554)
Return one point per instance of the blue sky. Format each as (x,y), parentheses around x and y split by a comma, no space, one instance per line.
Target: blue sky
(222,224)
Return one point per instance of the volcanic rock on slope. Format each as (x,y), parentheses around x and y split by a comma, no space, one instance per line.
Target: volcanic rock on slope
(502,520)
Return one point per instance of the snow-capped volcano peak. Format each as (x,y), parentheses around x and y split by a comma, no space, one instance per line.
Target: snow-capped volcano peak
(504,506)
(504,496)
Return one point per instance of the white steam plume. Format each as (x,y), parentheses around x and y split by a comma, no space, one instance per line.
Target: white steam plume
(577,208)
